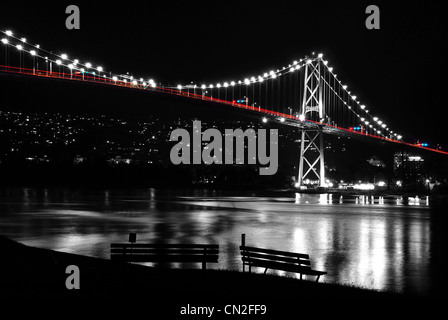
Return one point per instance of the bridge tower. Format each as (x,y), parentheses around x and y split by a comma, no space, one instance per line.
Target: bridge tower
(311,159)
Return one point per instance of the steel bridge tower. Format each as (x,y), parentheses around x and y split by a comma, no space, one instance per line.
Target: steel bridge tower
(312,143)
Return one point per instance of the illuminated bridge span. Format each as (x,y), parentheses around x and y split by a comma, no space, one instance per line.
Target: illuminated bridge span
(306,94)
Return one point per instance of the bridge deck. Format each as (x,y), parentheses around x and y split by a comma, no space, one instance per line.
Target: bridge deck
(281,118)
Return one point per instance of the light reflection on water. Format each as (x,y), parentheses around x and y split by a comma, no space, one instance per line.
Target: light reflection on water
(383,244)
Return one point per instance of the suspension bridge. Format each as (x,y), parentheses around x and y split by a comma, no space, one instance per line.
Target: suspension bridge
(306,94)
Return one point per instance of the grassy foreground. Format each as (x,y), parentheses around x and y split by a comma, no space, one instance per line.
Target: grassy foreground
(39,275)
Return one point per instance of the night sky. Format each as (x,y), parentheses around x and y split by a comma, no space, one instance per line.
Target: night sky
(396,71)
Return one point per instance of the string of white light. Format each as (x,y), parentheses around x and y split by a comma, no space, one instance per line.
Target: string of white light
(378,130)
(249,80)
(361,106)
(75,64)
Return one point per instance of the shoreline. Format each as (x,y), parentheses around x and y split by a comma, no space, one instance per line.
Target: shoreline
(33,271)
(36,277)
(224,189)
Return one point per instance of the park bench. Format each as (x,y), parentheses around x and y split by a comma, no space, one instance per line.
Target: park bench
(277,260)
(165,253)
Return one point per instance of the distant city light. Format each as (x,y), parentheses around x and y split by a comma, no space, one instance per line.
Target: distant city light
(364,186)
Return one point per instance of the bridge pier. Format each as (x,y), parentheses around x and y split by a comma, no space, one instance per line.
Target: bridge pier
(312,142)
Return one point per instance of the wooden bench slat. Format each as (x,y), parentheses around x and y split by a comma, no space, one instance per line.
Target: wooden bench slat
(274,264)
(130,250)
(165,258)
(163,245)
(165,253)
(251,254)
(275,252)
(283,266)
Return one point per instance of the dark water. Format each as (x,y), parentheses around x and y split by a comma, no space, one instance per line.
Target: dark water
(386,246)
